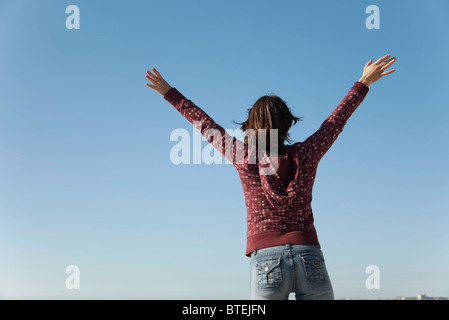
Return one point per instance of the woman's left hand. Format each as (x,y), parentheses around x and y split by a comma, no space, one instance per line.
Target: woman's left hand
(159,84)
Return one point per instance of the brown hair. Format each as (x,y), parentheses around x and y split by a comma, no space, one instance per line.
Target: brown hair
(270,112)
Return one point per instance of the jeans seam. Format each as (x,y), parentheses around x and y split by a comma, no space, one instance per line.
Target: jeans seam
(292,262)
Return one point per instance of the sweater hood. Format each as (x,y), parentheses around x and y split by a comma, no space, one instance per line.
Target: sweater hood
(276,193)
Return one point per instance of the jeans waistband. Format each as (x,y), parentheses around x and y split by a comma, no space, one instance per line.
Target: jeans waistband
(284,248)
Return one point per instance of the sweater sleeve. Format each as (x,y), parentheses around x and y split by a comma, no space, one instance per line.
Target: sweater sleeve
(315,146)
(230,147)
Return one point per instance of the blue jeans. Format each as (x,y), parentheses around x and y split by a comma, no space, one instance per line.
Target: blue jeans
(277,271)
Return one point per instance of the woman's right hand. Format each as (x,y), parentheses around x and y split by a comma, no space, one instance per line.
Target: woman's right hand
(374,71)
(159,84)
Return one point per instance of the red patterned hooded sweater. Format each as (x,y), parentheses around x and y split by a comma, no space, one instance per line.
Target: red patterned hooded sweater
(277,190)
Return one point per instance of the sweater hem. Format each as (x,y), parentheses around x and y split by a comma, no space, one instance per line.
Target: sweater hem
(276,238)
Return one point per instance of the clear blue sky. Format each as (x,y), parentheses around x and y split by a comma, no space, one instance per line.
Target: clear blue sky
(85,171)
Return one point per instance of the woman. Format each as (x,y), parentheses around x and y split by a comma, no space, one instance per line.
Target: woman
(281,238)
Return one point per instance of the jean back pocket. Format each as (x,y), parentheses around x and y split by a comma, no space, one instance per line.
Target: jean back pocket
(269,273)
(314,267)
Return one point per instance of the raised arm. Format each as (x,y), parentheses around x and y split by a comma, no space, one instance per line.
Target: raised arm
(315,146)
(230,147)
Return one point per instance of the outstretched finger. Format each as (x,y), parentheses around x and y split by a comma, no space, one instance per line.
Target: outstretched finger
(382,59)
(368,63)
(152,76)
(387,72)
(388,63)
(157,73)
(151,86)
(151,79)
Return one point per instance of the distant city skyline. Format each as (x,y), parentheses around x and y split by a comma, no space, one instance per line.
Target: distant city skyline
(417,297)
